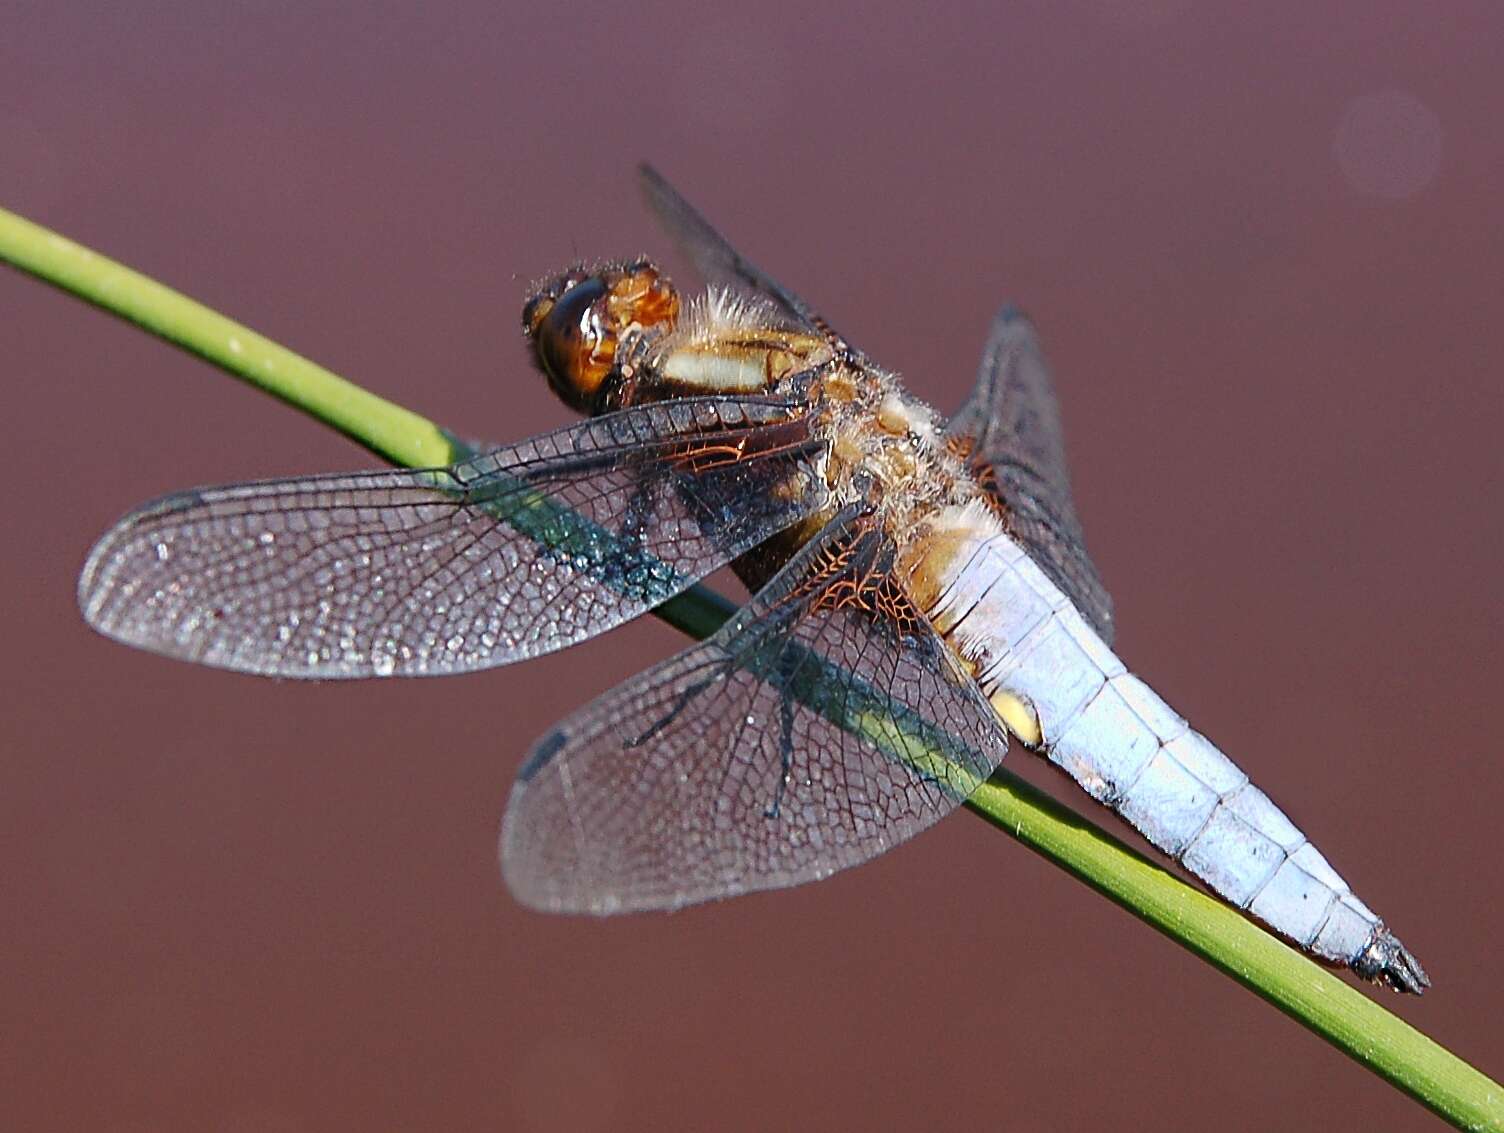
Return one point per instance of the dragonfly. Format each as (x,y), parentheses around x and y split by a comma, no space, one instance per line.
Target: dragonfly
(921,597)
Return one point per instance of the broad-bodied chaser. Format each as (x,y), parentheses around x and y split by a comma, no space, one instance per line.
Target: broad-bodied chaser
(921,593)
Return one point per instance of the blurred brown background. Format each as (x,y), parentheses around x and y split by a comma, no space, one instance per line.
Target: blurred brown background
(1264,249)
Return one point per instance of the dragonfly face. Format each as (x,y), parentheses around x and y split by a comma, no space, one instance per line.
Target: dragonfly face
(922,590)
(586,327)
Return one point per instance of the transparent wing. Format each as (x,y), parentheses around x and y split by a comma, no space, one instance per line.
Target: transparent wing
(823,724)
(717,261)
(1013,422)
(514,553)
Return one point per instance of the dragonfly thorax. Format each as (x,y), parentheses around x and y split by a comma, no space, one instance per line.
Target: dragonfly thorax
(888,449)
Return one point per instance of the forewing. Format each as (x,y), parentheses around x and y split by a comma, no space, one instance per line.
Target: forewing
(823,724)
(1013,422)
(514,553)
(718,262)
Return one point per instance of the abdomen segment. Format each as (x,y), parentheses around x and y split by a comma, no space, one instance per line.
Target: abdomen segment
(1062,690)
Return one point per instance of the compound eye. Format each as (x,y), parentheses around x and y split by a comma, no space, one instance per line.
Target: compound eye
(574,345)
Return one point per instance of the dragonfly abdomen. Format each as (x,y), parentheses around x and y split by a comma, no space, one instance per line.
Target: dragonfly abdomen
(1062,691)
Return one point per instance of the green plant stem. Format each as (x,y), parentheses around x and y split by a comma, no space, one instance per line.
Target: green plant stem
(1309,994)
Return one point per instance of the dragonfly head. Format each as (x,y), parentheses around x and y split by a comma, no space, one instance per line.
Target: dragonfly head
(577,322)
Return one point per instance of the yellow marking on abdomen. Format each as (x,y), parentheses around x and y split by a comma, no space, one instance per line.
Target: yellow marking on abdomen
(935,557)
(1018,715)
